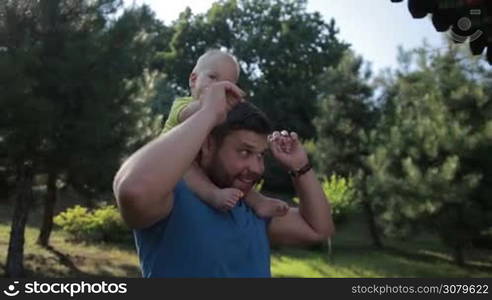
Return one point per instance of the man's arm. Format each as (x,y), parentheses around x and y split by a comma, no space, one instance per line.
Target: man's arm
(312,221)
(194,106)
(143,185)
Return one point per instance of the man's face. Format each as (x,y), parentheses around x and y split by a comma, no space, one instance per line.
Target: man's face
(239,161)
(220,68)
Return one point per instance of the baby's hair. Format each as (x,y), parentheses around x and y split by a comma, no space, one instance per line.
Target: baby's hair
(212,53)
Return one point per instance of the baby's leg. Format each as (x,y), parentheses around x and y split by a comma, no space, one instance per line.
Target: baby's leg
(266,207)
(222,199)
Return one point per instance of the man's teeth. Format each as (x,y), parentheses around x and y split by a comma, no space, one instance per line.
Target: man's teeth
(247,180)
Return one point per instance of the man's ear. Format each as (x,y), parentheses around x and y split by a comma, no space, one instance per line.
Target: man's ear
(208,148)
(192,80)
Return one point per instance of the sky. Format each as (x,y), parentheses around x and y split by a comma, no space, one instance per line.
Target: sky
(374,28)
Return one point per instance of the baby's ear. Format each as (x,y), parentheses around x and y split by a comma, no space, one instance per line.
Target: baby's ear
(192,79)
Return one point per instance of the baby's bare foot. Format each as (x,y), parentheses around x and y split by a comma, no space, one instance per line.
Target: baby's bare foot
(226,199)
(268,208)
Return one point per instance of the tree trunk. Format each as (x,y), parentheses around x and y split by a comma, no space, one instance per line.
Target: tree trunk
(15,255)
(459,255)
(49,210)
(460,239)
(373,230)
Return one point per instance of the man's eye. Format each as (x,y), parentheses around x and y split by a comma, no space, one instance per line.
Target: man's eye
(244,152)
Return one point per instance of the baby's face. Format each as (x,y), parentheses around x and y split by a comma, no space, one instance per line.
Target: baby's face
(216,69)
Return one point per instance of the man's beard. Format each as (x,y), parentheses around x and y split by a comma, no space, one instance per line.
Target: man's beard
(217,173)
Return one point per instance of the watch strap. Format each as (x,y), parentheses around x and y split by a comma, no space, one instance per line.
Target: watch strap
(299,172)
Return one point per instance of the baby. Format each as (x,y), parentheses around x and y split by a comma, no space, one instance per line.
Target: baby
(214,66)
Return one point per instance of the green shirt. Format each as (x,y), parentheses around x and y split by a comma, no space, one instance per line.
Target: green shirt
(173,119)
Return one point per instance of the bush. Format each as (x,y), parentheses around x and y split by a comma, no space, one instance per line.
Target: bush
(102,224)
(341,194)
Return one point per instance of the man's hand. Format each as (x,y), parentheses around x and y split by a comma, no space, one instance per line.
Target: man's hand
(311,222)
(220,98)
(287,149)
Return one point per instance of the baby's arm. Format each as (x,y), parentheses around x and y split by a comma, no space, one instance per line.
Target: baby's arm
(193,106)
(222,199)
(189,110)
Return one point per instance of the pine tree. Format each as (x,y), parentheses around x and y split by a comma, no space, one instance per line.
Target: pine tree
(76,83)
(426,174)
(347,114)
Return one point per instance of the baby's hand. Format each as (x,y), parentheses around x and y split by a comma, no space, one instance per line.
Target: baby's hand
(226,199)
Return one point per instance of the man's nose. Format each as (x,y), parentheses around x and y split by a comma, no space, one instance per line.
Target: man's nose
(257,166)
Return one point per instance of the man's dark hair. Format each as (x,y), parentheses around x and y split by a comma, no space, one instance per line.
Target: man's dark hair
(244,116)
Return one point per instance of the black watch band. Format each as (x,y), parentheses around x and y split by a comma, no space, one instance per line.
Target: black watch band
(299,172)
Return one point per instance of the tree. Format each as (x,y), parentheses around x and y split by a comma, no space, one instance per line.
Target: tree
(15,254)
(76,85)
(429,165)
(22,126)
(98,116)
(346,117)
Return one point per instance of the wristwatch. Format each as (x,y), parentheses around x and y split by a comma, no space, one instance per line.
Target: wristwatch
(299,172)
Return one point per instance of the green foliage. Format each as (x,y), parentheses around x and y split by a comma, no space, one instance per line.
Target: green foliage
(428,167)
(341,194)
(310,147)
(279,63)
(100,225)
(76,82)
(346,116)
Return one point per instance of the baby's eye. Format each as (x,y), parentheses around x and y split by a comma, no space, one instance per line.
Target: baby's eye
(212,77)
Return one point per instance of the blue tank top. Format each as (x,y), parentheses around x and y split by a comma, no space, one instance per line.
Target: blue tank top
(196,240)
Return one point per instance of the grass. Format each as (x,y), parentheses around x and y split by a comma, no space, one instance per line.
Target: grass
(66,259)
(364,263)
(352,256)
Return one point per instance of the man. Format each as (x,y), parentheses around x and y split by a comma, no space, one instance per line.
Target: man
(178,235)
